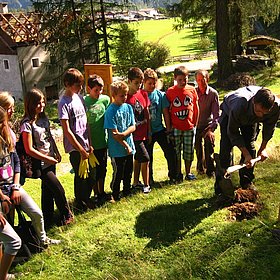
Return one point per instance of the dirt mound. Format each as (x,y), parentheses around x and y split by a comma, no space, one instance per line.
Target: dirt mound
(245,204)
(245,210)
(248,195)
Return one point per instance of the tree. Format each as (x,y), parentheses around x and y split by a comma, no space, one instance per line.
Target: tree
(240,16)
(77,31)
(129,51)
(223,40)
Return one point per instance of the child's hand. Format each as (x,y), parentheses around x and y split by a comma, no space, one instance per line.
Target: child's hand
(16,197)
(84,154)
(6,203)
(91,149)
(51,160)
(58,157)
(118,136)
(2,221)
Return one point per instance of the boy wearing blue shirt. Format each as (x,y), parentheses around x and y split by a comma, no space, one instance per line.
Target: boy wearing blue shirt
(159,106)
(120,124)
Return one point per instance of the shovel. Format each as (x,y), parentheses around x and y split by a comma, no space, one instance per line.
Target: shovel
(239,166)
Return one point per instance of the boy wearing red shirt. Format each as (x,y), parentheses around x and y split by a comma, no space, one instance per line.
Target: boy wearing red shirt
(184,116)
(140,103)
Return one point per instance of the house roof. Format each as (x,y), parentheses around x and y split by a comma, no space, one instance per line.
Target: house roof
(6,44)
(262,41)
(22,27)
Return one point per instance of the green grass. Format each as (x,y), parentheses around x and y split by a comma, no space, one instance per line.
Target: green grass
(175,232)
(181,42)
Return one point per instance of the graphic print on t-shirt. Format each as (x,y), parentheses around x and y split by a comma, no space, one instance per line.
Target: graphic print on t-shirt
(139,112)
(181,107)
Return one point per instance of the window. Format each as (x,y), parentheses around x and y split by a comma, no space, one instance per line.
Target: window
(35,62)
(6,64)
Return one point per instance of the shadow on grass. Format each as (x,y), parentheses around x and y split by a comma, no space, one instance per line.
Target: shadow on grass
(166,224)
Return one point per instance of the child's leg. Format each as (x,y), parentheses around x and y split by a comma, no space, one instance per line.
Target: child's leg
(12,243)
(136,172)
(178,138)
(52,183)
(101,170)
(143,158)
(82,187)
(145,172)
(169,153)
(118,164)
(29,206)
(47,204)
(188,152)
(150,149)
(128,167)
(188,165)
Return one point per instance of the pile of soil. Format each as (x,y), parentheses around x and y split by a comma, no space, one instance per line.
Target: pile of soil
(245,205)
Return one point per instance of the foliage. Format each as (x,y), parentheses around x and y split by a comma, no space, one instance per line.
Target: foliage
(77,31)
(129,51)
(232,23)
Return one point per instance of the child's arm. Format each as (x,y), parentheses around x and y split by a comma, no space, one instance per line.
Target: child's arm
(28,146)
(167,120)
(16,196)
(119,137)
(72,139)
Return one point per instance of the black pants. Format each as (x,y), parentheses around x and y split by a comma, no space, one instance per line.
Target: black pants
(249,134)
(52,190)
(168,151)
(122,170)
(82,187)
(204,153)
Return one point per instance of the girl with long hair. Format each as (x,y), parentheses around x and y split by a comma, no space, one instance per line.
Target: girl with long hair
(35,129)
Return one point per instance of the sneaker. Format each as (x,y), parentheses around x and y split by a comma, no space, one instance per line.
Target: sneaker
(146,189)
(10,276)
(190,177)
(48,241)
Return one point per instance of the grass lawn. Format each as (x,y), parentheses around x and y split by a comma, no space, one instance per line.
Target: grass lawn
(175,232)
(181,42)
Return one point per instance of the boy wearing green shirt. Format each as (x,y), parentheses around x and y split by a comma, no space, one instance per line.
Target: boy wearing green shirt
(96,104)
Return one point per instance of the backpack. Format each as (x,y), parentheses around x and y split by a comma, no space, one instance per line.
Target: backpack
(30,167)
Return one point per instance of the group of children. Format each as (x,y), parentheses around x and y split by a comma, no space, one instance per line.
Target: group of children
(126,129)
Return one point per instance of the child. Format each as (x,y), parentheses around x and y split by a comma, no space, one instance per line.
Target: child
(10,190)
(35,129)
(208,102)
(120,124)
(12,244)
(184,115)
(96,104)
(140,103)
(76,138)
(159,106)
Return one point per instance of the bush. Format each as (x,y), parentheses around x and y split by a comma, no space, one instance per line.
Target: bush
(130,52)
